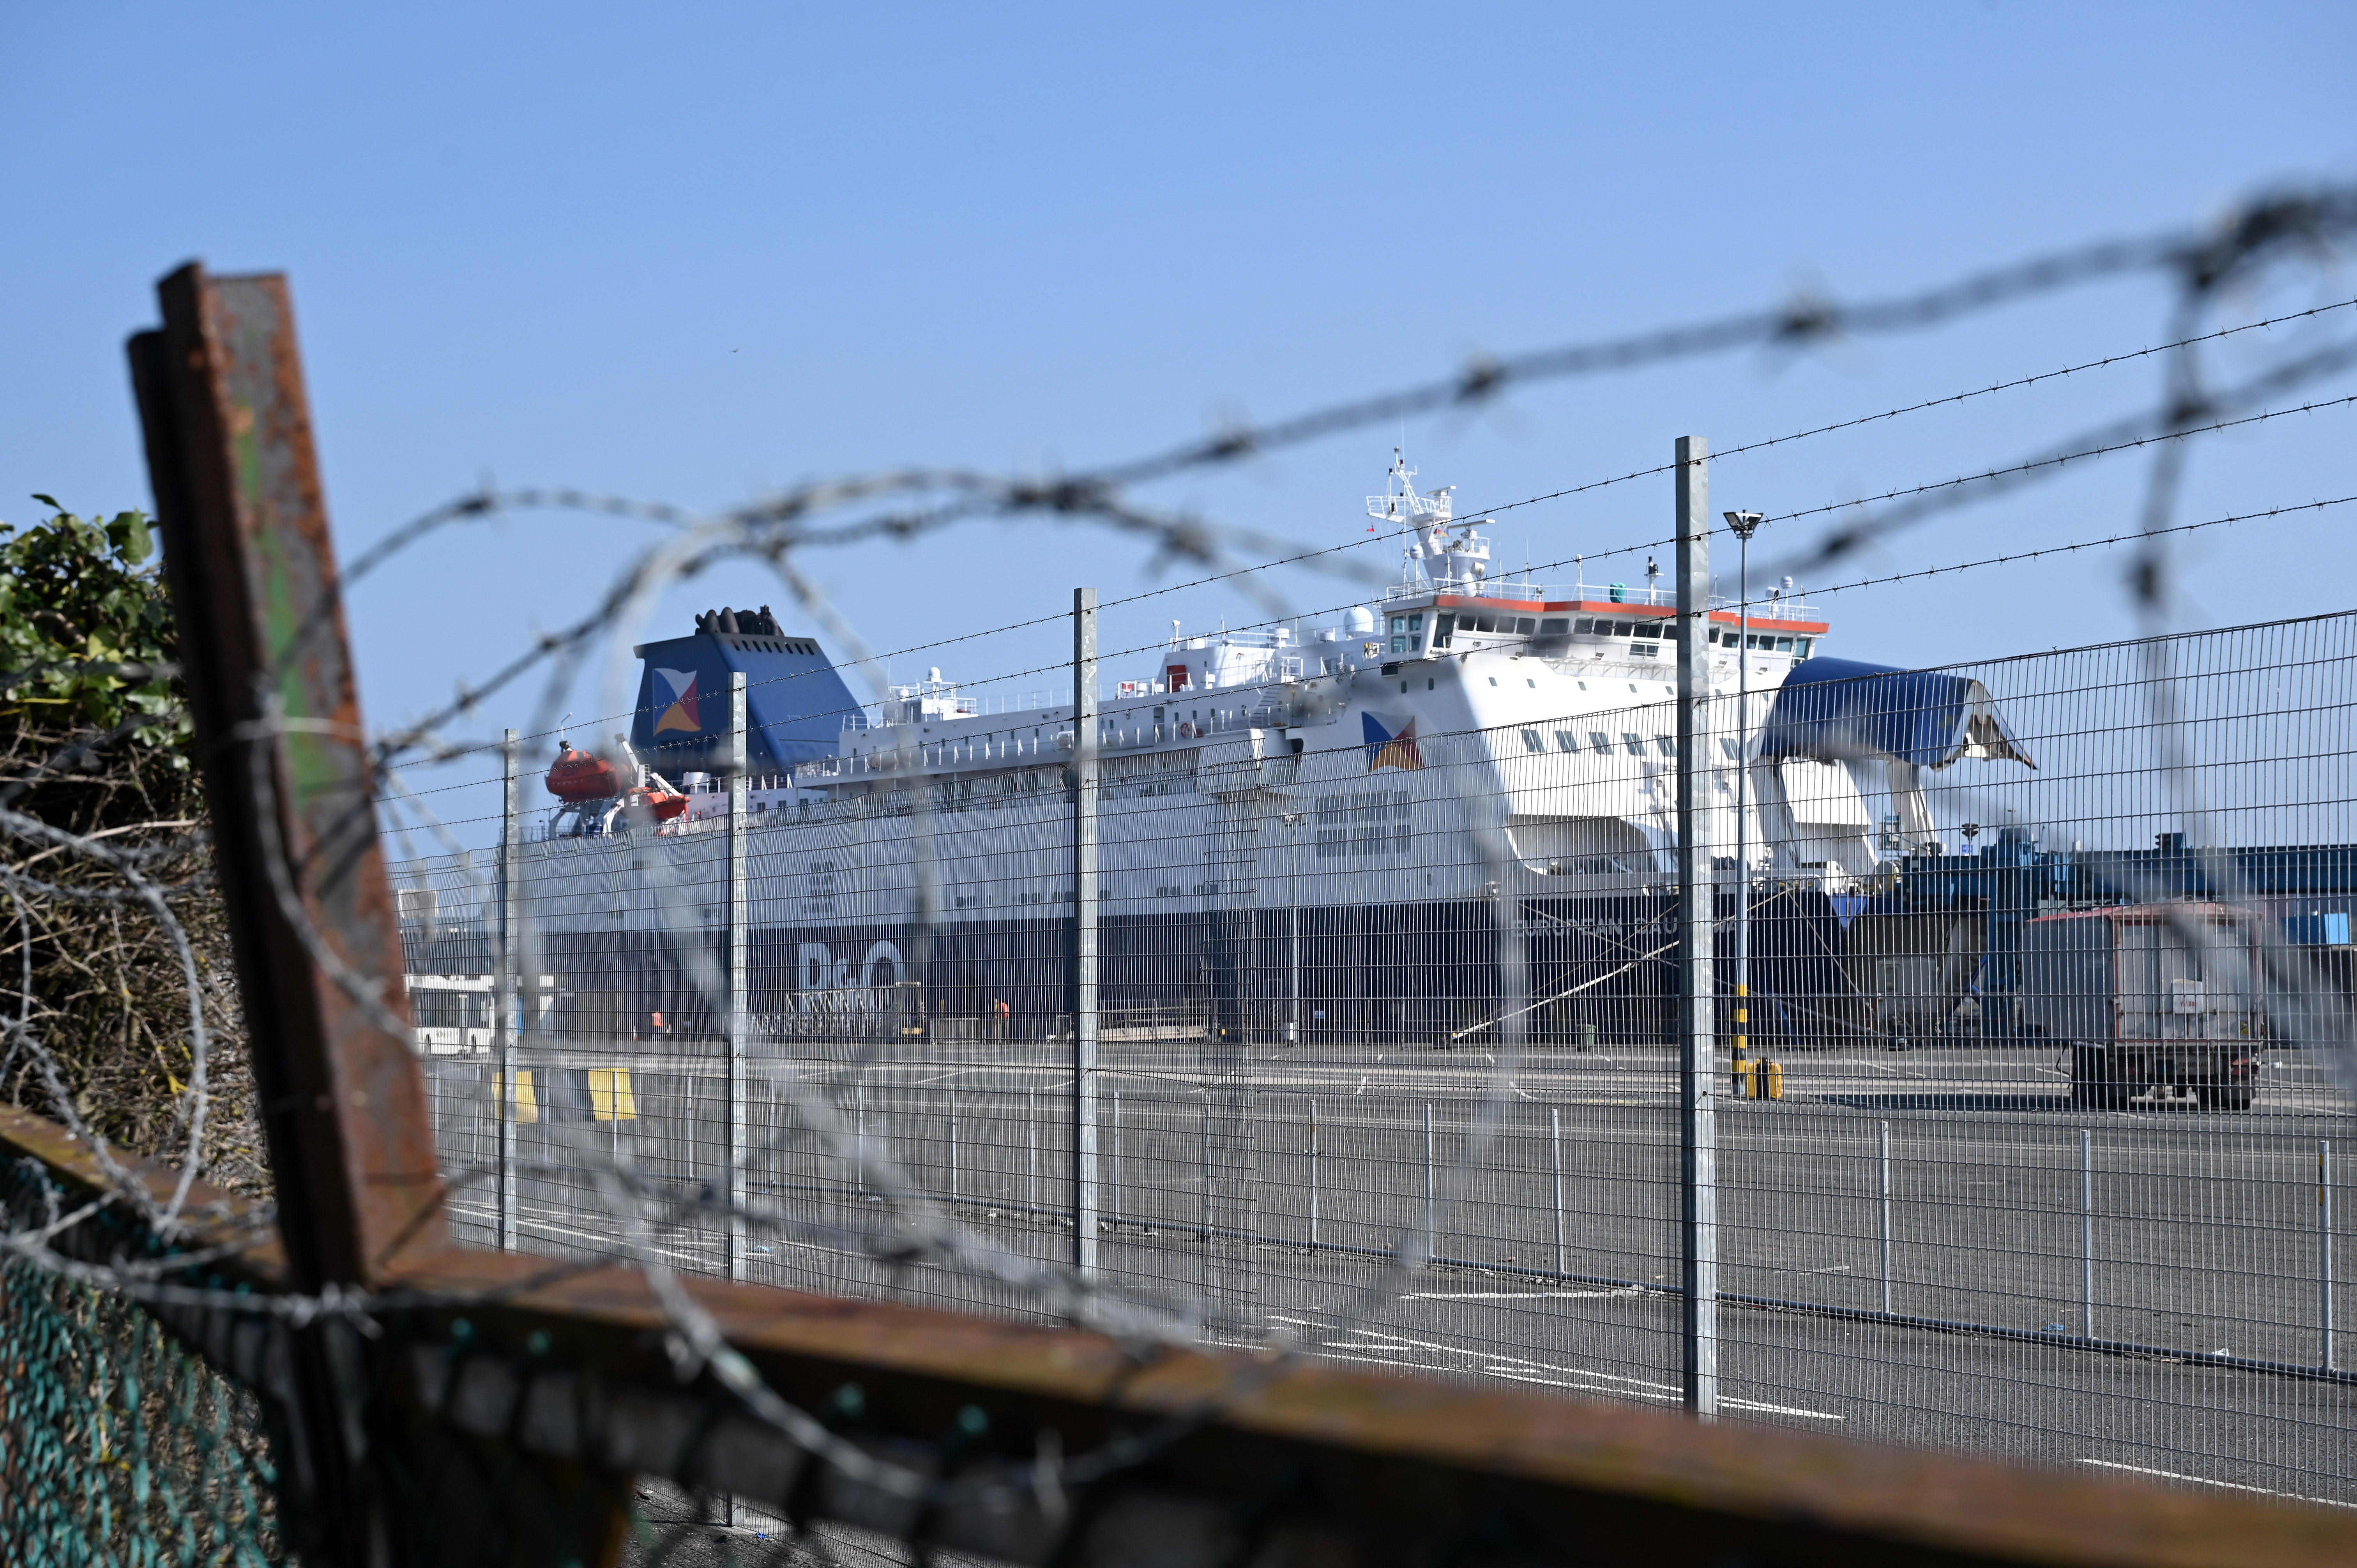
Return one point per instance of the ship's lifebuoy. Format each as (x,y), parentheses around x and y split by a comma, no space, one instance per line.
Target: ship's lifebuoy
(1186,731)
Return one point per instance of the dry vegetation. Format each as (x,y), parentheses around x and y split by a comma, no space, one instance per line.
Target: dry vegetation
(94,740)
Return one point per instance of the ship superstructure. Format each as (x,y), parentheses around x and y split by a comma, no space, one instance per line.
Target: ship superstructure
(1470,733)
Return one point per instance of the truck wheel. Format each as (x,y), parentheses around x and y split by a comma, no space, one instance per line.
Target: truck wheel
(2224,1096)
(2091,1087)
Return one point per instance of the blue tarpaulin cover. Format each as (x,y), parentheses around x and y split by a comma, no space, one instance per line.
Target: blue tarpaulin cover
(1841,709)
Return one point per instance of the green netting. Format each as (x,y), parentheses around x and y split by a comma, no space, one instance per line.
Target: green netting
(117,1447)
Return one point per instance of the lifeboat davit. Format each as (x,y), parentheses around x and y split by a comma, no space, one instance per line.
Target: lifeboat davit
(578,776)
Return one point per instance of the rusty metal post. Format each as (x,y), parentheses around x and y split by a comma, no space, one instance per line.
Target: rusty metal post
(288,775)
(291,787)
(291,790)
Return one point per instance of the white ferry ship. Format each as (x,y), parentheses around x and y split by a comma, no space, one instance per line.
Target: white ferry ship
(1302,829)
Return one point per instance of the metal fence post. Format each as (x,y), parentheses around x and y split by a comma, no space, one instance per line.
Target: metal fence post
(1084,930)
(1113,1169)
(1206,1233)
(1886,1217)
(510,1003)
(739,827)
(954,1193)
(1698,907)
(1031,1097)
(2324,1249)
(1562,1234)
(1431,1190)
(859,1142)
(2087,1232)
(1313,1176)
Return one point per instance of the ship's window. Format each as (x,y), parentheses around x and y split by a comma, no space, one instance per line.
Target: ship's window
(1532,742)
(1554,626)
(1645,628)
(1783,645)
(1636,744)
(1727,744)
(1584,624)
(1493,679)
(1533,685)
(1566,739)
(1525,626)
(1668,743)
(1802,649)
(1623,628)
(1602,742)
(1485,623)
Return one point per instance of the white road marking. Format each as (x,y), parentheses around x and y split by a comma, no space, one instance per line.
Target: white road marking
(1519,1369)
(2206,1481)
(1517,1295)
(1582,1385)
(1781,1409)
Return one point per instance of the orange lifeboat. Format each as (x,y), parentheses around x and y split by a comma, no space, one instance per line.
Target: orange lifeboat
(578,776)
(665,805)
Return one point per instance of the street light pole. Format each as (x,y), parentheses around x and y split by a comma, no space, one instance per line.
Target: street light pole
(1743,523)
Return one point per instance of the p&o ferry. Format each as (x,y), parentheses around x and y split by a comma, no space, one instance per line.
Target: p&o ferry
(1305,832)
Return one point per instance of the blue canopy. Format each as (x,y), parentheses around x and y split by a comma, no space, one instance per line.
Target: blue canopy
(1840,710)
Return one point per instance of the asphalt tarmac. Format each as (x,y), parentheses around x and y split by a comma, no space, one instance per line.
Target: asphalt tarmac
(2068,1287)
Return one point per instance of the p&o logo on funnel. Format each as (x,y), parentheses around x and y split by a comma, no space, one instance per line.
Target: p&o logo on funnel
(1391,742)
(676,689)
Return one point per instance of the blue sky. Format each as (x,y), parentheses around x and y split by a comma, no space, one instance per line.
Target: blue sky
(695,254)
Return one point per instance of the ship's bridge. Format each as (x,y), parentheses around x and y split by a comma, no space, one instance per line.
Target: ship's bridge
(1584,620)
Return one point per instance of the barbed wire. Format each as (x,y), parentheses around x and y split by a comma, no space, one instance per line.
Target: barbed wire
(1406,1255)
(775,530)
(2132,435)
(1945,400)
(2267,228)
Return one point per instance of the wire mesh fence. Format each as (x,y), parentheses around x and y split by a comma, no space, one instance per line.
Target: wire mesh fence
(2027,1116)
(1598,990)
